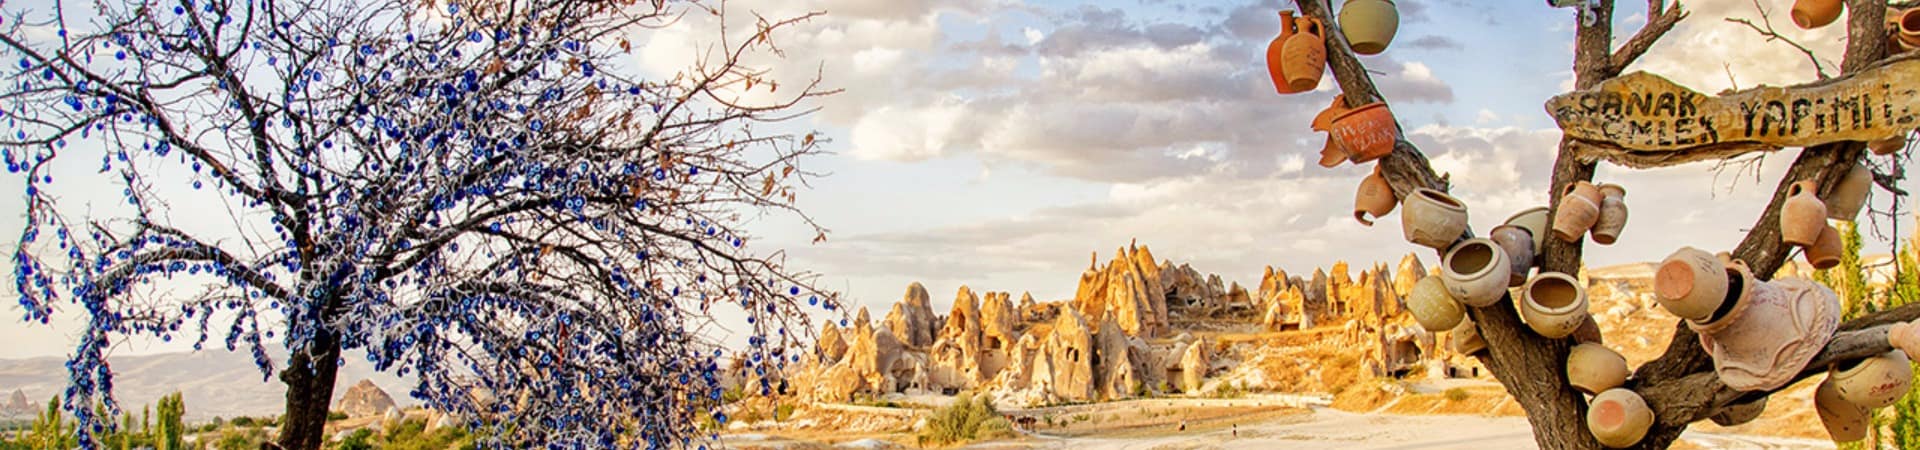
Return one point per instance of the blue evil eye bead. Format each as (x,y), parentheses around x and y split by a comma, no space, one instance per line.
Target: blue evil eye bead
(793,290)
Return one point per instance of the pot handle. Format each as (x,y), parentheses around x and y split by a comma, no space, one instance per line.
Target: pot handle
(1311,26)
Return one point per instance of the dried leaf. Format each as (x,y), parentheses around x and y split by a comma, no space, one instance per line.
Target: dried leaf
(766,186)
(808,140)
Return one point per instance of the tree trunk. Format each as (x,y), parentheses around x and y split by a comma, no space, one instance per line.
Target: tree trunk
(310,377)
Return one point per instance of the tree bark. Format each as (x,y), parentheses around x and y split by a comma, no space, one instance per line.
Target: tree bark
(309,376)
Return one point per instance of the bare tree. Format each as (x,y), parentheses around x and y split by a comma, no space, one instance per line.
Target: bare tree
(489,196)
(1680,386)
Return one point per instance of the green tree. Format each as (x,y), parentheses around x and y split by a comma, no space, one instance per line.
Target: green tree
(1906,290)
(168,437)
(49,430)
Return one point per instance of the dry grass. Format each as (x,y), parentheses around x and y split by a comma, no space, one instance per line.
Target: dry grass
(1148,420)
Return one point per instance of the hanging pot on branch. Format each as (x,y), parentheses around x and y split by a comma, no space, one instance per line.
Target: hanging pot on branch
(1432,218)
(1909,26)
(1770,332)
(1465,338)
(1845,421)
(1361,134)
(1579,211)
(1594,368)
(1433,306)
(1553,304)
(1375,197)
(1369,25)
(1517,242)
(1825,252)
(1535,220)
(1295,58)
(1613,214)
(1476,272)
(1887,146)
(1803,216)
(1619,418)
(1691,283)
(1875,382)
(1810,14)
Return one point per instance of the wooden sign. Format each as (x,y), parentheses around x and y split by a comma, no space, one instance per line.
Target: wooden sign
(1643,119)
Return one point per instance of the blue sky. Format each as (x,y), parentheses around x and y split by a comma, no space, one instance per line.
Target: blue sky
(996,143)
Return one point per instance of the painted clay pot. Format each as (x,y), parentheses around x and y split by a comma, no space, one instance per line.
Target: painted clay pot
(1365,133)
(1613,214)
(1433,306)
(1375,198)
(1812,14)
(1691,283)
(1305,54)
(1534,220)
(1803,216)
(1905,336)
(1593,368)
(1910,28)
(1332,153)
(1888,146)
(1875,382)
(1579,211)
(1618,418)
(1845,421)
(1432,218)
(1825,252)
(1770,332)
(1465,338)
(1740,413)
(1276,54)
(1553,304)
(1369,24)
(1475,272)
(1851,195)
(1518,244)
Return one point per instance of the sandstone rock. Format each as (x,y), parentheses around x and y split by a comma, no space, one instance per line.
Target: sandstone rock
(1194,365)
(1068,359)
(1410,271)
(364,399)
(1117,373)
(832,346)
(912,320)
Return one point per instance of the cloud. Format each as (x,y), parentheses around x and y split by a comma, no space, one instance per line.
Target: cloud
(1434,42)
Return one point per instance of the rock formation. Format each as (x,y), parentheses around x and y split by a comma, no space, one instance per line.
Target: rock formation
(912,319)
(831,346)
(364,399)
(1128,289)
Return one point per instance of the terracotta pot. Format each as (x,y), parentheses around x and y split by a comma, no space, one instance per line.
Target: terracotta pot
(1851,195)
(1332,153)
(1579,211)
(1905,336)
(1305,54)
(1433,307)
(1432,218)
(1825,253)
(1770,332)
(1518,244)
(1910,28)
(1618,418)
(1365,133)
(1369,24)
(1475,272)
(1613,214)
(1875,382)
(1553,304)
(1888,146)
(1803,215)
(1593,368)
(1375,198)
(1535,221)
(1276,55)
(1465,338)
(1812,14)
(1691,283)
(1845,421)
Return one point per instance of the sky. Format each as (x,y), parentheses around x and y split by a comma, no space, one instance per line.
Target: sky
(997,143)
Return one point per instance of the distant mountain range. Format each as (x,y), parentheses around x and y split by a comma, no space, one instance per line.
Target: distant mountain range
(213,383)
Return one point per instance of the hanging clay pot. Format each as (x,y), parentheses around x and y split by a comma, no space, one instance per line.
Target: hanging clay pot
(1375,198)
(1875,382)
(1535,220)
(1851,195)
(1613,214)
(1518,244)
(1331,153)
(1432,218)
(1691,283)
(1593,368)
(1369,24)
(1845,421)
(1618,418)
(1365,133)
(1740,413)
(1910,29)
(1888,146)
(1810,14)
(1433,307)
(1579,210)
(1465,338)
(1803,216)
(1276,55)
(1553,304)
(1825,252)
(1905,336)
(1305,54)
(1770,332)
(1475,272)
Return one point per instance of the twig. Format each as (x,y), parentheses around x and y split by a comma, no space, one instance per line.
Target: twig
(1772,35)
(1659,21)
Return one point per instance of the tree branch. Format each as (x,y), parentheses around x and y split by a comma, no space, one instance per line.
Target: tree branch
(1659,21)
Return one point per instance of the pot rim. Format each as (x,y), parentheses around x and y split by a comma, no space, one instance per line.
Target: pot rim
(1440,199)
(1740,302)
(1860,366)
(1613,187)
(1516,216)
(1361,109)
(1911,16)
(1580,294)
(1494,259)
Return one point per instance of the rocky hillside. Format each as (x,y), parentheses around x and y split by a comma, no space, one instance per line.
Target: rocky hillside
(213,383)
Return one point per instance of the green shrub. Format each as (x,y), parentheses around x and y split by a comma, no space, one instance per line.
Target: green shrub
(241,422)
(336,415)
(967,419)
(996,428)
(1456,394)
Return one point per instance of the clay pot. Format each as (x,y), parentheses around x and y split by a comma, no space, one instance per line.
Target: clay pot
(1804,214)
(1875,382)
(1740,413)
(1851,195)
(1518,244)
(1613,214)
(1375,197)
(1579,211)
(1476,272)
(1276,54)
(1812,14)
(1535,221)
(1593,368)
(1905,336)
(1465,338)
(1691,283)
(1369,24)
(1770,332)
(1432,218)
(1365,133)
(1553,304)
(1888,146)
(1433,306)
(1909,29)
(1825,252)
(1618,418)
(1304,54)
(1845,421)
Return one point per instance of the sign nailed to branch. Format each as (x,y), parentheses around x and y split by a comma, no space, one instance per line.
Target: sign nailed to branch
(1642,113)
